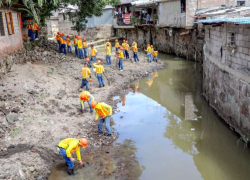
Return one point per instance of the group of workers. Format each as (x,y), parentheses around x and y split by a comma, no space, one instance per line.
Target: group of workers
(32,30)
(103,111)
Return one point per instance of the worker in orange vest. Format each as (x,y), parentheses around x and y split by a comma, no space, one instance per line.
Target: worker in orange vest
(67,147)
(58,40)
(69,44)
(120,57)
(154,54)
(86,74)
(36,29)
(85,47)
(108,53)
(99,72)
(135,50)
(93,54)
(103,114)
(116,45)
(85,96)
(30,30)
(63,43)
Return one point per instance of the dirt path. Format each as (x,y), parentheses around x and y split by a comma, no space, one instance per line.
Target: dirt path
(39,106)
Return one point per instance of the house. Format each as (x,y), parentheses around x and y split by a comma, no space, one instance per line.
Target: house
(96,27)
(226,65)
(10,30)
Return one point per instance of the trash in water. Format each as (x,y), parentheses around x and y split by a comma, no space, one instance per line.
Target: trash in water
(192,129)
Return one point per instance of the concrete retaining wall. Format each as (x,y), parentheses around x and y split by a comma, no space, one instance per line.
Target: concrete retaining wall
(226,74)
(188,46)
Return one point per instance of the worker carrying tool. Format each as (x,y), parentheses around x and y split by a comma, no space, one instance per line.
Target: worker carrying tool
(99,73)
(76,44)
(85,96)
(103,114)
(67,147)
(86,75)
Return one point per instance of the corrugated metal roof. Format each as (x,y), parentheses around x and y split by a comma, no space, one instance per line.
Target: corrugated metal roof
(241,20)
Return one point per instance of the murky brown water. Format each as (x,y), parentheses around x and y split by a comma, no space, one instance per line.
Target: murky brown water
(175,134)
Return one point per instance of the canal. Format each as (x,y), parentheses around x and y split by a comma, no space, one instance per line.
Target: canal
(175,135)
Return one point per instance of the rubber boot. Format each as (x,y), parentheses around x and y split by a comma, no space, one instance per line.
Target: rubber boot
(70,171)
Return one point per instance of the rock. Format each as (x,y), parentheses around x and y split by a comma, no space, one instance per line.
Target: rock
(12,118)
(45,53)
(32,169)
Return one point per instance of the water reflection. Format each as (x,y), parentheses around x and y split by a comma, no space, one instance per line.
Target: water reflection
(187,139)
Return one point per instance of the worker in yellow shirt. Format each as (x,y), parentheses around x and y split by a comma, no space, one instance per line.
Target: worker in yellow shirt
(76,44)
(116,45)
(134,43)
(120,57)
(149,53)
(123,46)
(154,54)
(86,74)
(67,147)
(135,50)
(58,40)
(79,47)
(68,44)
(36,29)
(63,44)
(108,54)
(93,54)
(99,72)
(85,96)
(85,47)
(103,114)
(127,50)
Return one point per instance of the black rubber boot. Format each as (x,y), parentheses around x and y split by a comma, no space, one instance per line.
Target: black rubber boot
(70,171)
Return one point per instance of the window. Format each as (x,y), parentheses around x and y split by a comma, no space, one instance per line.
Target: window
(1,25)
(9,21)
(232,38)
(240,3)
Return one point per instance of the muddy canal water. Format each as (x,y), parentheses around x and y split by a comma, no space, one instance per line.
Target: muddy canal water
(176,135)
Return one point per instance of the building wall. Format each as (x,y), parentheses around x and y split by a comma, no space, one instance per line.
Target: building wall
(97,27)
(214,3)
(191,7)
(52,27)
(10,43)
(226,74)
(170,14)
(188,46)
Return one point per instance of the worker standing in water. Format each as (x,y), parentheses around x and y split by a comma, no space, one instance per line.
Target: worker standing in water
(67,147)
(116,45)
(99,73)
(85,48)
(93,54)
(75,44)
(85,96)
(135,50)
(86,74)
(103,114)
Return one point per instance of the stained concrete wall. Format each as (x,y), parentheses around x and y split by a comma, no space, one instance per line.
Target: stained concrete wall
(52,27)
(170,14)
(213,3)
(226,74)
(13,42)
(188,46)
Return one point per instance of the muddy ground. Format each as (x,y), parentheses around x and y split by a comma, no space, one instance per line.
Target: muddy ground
(39,106)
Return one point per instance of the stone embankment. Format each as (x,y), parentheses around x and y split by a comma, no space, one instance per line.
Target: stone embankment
(39,106)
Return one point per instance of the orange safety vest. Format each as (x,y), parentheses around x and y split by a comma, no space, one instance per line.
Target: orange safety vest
(35,27)
(75,42)
(93,52)
(85,72)
(68,41)
(135,49)
(62,41)
(102,112)
(85,98)
(58,37)
(30,27)
(155,53)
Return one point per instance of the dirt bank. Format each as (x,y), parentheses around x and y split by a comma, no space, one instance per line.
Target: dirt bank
(39,106)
